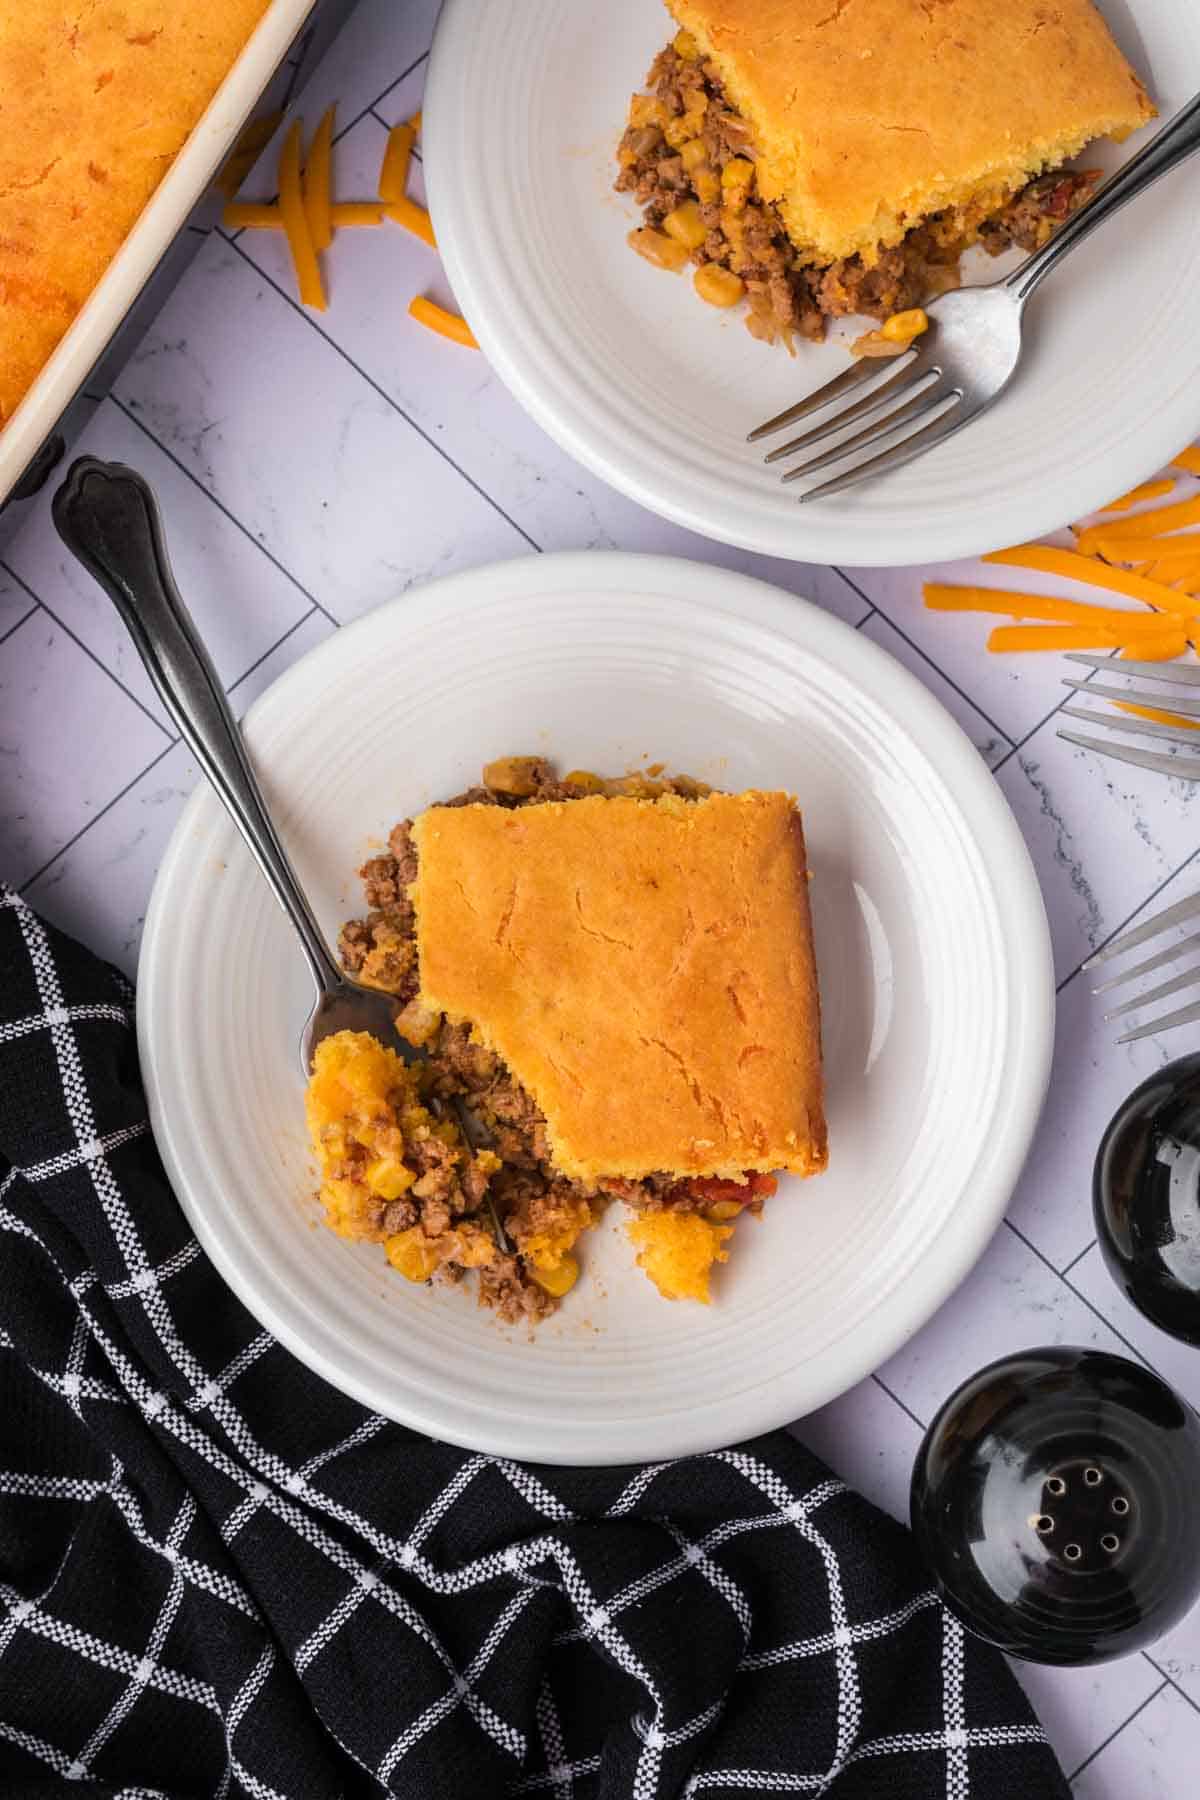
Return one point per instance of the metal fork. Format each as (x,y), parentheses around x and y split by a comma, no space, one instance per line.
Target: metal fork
(1186,768)
(966,359)
(107,515)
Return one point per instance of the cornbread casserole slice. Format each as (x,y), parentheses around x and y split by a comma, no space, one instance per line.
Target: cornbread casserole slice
(617,976)
(848,126)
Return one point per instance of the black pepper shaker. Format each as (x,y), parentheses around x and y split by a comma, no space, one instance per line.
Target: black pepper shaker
(1146,1198)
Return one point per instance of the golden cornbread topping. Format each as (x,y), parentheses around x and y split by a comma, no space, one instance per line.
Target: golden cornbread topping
(616,977)
(95,102)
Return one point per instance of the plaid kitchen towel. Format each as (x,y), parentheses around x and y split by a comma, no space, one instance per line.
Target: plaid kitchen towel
(220,1577)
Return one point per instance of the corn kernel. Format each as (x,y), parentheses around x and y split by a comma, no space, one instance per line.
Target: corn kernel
(411,1253)
(686,226)
(388,1178)
(560,1279)
(583,778)
(721,1211)
(648,109)
(903,327)
(693,153)
(515,775)
(737,173)
(685,45)
(707,184)
(663,252)
(718,286)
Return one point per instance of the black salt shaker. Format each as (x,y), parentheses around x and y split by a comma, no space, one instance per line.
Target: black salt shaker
(1054,1499)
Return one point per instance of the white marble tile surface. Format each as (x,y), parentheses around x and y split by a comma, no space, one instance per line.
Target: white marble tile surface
(16,603)
(1155,1757)
(70,741)
(312,467)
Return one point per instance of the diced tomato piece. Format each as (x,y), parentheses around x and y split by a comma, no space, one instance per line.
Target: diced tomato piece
(711,1188)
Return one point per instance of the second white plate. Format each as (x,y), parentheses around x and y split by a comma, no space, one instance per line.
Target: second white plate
(655,392)
(931,943)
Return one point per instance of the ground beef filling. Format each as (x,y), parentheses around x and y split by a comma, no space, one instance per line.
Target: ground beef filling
(530,1195)
(686,147)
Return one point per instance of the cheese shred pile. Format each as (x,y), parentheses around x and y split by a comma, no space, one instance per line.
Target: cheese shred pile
(310,217)
(1150,558)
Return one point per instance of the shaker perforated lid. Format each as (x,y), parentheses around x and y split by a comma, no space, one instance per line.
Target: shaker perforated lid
(1053,1498)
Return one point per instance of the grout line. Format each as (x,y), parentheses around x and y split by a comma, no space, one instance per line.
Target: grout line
(5,635)
(107,807)
(385,396)
(246,673)
(359,117)
(132,415)
(279,642)
(78,641)
(880,1383)
(1071,694)
(961,692)
(1074,1776)
(1140,908)
(1065,1271)
(1094,1310)
(1171,1682)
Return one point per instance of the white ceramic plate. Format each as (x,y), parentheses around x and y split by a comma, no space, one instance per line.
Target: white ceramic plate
(655,392)
(931,943)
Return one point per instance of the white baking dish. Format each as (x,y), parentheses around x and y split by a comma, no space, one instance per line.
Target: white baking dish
(164,216)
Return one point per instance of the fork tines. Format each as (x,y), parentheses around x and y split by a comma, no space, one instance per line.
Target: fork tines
(907,391)
(1184,706)
(1172,675)
(1179,914)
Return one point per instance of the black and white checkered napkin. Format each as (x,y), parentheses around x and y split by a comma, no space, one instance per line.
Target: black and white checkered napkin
(220,1577)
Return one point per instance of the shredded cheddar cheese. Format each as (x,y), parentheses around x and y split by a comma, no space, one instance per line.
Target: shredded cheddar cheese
(1007,638)
(393,175)
(309,216)
(252,139)
(446,324)
(414,218)
(1153,713)
(1069,563)
(1183,549)
(1149,490)
(1143,525)
(318,174)
(356,213)
(248,215)
(295,222)
(1040,606)
(1164,647)
(251,215)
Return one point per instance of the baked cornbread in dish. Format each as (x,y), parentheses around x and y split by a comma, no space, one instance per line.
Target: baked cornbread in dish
(617,977)
(95,102)
(855,148)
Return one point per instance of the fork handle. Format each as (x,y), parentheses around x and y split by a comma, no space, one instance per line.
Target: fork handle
(1170,147)
(107,516)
